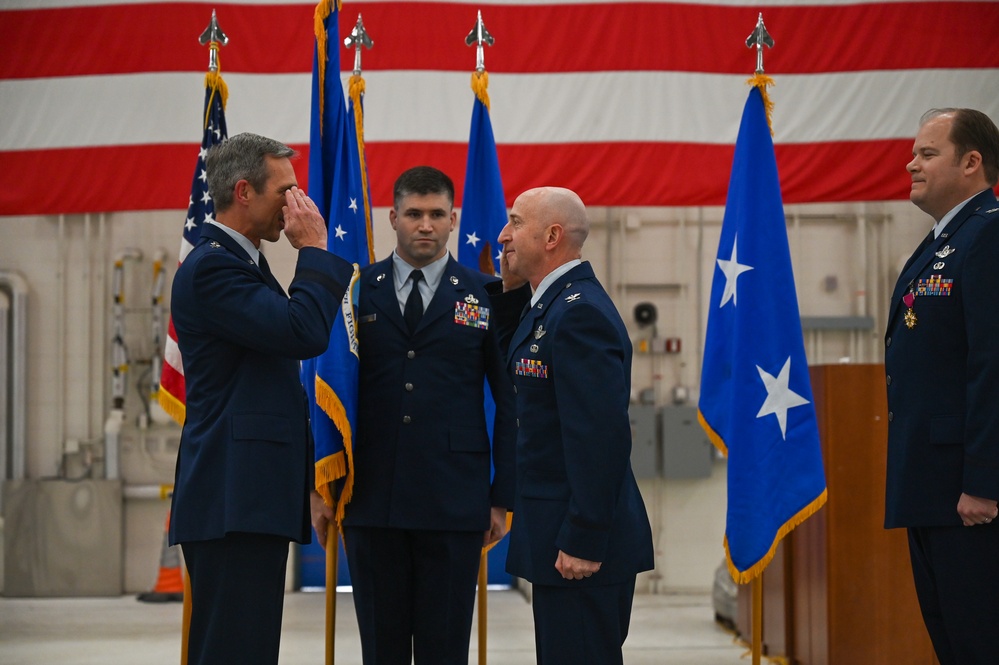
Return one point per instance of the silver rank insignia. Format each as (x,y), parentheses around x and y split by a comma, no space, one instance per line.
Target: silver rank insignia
(471,300)
(938,265)
(989,212)
(534,348)
(574,297)
(214,245)
(454,280)
(380,277)
(946,251)
(540,332)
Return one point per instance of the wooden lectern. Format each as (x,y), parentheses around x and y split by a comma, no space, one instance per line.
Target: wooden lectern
(840,589)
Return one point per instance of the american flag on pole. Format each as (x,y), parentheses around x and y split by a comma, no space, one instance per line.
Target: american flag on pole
(640,90)
(200,209)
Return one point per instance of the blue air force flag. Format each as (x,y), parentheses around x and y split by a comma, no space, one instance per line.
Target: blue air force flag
(337,183)
(483,205)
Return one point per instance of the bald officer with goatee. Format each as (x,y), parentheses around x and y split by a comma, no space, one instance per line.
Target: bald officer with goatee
(580,531)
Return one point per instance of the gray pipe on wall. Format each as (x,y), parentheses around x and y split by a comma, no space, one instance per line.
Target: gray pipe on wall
(16,288)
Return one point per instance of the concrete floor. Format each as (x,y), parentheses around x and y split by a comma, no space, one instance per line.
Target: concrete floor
(665,630)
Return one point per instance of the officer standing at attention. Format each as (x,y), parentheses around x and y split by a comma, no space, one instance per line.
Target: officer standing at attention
(580,531)
(423,503)
(942,365)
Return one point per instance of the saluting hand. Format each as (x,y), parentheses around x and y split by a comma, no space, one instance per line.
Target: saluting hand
(303,225)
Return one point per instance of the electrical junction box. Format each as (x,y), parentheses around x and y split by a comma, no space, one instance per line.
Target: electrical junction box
(686,449)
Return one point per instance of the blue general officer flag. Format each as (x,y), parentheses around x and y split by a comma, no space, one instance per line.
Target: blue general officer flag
(337,183)
(483,216)
(483,205)
(756,398)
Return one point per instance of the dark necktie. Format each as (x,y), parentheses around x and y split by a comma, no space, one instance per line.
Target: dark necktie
(413,311)
(268,275)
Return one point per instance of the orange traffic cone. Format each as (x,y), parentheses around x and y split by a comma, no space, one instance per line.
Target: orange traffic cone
(170,582)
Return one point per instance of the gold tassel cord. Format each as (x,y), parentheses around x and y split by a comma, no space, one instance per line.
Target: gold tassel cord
(762,82)
(480,85)
(213,81)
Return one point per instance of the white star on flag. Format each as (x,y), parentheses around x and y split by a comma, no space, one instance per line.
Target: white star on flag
(473,239)
(732,269)
(780,397)
(209,218)
(189,224)
(352,206)
(340,233)
(206,197)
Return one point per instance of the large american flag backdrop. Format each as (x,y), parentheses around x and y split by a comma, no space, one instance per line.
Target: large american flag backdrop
(628,103)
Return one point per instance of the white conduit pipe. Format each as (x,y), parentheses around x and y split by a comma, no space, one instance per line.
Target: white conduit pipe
(18,288)
(159,492)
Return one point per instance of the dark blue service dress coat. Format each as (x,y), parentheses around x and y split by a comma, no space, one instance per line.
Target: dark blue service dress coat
(245,462)
(571,360)
(422,457)
(943,372)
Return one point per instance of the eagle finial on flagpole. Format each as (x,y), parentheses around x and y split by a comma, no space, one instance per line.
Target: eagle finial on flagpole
(759,38)
(479,36)
(357,38)
(213,36)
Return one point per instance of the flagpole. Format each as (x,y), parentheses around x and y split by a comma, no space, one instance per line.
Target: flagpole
(214,38)
(332,557)
(483,583)
(757,620)
(759,38)
(479,37)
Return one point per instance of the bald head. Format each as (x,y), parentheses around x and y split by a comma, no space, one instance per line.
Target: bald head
(558,205)
(547,228)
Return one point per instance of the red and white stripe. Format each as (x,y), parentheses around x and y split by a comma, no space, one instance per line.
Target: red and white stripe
(627,103)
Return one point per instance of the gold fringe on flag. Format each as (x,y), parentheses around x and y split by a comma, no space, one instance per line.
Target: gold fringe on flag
(339,465)
(480,85)
(762,81)
(712,434)
(323,11)
(744,577)
(173,406)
